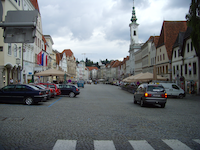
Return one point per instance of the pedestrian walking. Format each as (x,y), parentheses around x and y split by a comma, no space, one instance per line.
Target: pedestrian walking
(11,81)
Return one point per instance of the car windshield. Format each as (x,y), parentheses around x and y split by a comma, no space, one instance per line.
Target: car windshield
(42,86)
(155,88)
(51,86)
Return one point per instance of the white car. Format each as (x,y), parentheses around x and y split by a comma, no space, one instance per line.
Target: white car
(173,89)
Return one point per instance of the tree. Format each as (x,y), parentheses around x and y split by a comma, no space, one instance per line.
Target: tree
(193,20)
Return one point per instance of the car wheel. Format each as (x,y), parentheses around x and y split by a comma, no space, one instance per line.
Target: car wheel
(141,103)
(28,101)
(162,105)
(181,96)
(71,94)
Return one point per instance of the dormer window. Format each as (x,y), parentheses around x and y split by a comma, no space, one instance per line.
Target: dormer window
(174,54)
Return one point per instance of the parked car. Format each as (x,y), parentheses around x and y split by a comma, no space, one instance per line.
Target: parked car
(150,93)
(173,89)
(40,86)
(22,93)
(80,83)
(52,85)
(69,89)
(52,90)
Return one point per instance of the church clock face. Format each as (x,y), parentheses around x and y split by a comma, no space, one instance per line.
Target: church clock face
(134,26)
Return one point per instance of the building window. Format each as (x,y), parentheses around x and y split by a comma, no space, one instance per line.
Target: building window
(134,33)
(191,47)
(160,57)
(185,68)
(160,50)
(15,50)
(9,49)
(19,2)
(174,69)
(166,69)
(179,52)
(190,69)
(1,48)
(194,68)
(174,54)
(188,46)
(177,69)
(20,52)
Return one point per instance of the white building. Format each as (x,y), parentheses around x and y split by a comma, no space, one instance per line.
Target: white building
(82,71)
(134,43)
(10,53)
(188,69)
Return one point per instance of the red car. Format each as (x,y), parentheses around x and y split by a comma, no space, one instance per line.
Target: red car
(52,85)
(52,90)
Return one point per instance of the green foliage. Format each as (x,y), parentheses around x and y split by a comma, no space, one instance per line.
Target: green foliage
(193,20)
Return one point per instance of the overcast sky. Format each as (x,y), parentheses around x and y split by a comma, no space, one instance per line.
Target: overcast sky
(99,29)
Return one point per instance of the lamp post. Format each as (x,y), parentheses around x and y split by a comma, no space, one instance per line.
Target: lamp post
(65,75)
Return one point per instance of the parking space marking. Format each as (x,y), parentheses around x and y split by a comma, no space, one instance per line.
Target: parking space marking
(65,145)
(55,102)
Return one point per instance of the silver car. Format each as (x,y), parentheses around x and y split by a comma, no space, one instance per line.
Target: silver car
(150,93)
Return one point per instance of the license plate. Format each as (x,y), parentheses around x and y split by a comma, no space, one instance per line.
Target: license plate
(156,95)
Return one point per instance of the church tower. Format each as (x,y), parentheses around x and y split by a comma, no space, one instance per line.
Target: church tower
(133,28)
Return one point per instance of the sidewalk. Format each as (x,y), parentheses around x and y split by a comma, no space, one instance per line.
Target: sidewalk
(193,96)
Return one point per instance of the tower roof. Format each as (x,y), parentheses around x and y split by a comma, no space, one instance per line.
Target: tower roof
(133,18)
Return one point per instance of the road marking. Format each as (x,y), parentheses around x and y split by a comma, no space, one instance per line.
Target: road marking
(140,145)
(109,144)
(104,145)
(65,145)
(176,145)
(54,102)
(197,140)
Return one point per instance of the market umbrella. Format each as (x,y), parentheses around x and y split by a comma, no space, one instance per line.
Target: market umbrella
(52,72)
(145,77)
(130,78)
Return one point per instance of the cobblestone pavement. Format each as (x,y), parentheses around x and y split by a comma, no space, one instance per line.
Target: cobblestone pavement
(100,115)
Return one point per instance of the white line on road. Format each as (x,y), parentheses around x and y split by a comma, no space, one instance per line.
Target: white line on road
(141,145)
(176,145)
(104,145)
(197,140)
(65,145)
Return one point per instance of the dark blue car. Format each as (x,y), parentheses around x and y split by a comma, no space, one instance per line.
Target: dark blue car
(69,89)
(22,93)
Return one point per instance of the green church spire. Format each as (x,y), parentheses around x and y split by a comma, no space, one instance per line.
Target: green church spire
(133,18)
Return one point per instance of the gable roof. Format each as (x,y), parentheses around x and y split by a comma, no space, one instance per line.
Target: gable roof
(185,38)
(68,52)
(169,33)
(116,64)
(35,4)
(92,68)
